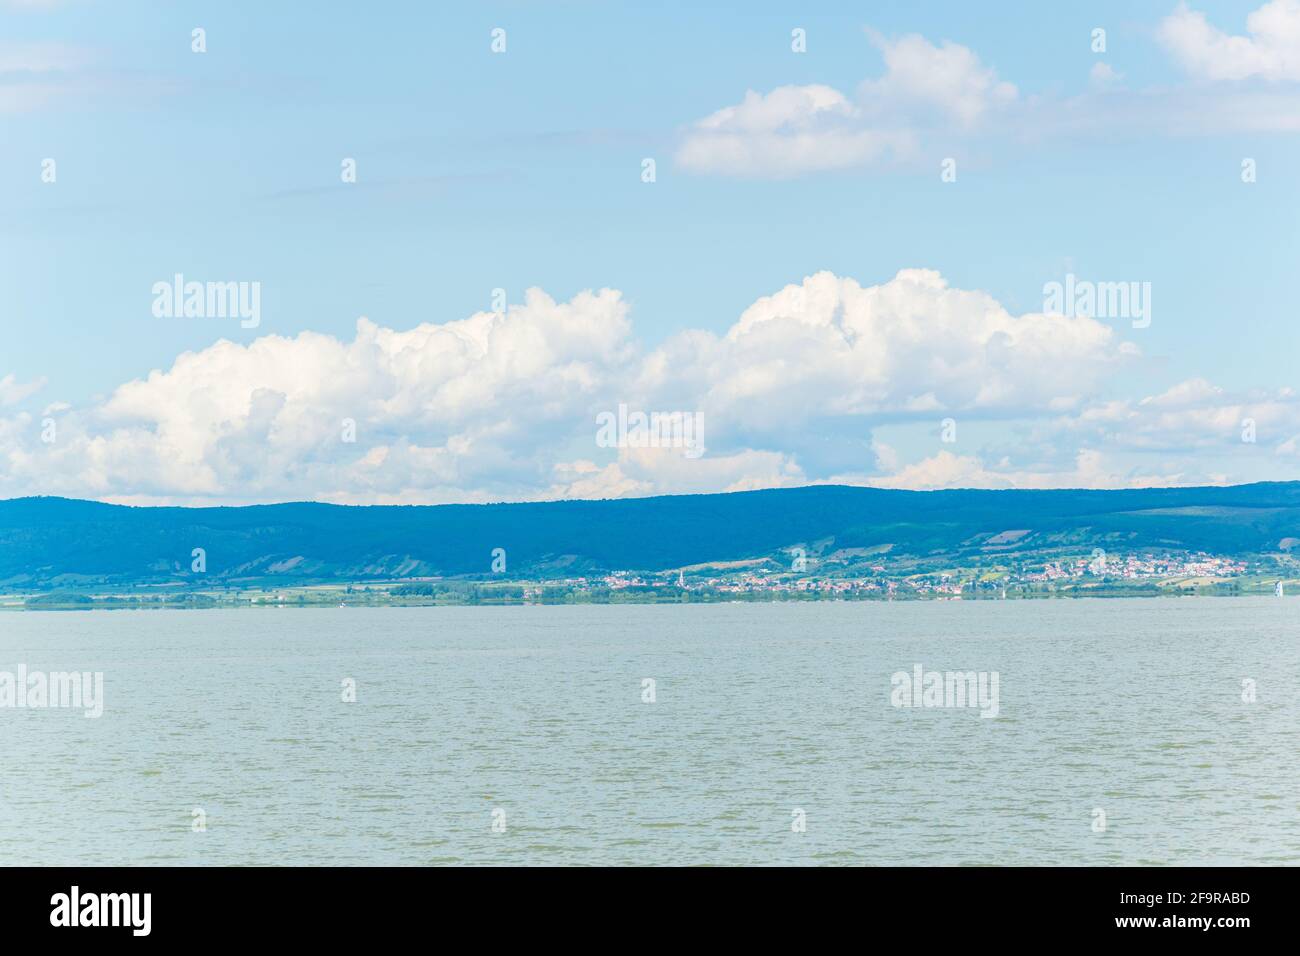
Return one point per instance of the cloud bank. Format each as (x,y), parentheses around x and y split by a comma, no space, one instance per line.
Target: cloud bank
(503,406)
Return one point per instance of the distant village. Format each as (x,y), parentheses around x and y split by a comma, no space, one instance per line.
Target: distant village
(974,577)
(880,580)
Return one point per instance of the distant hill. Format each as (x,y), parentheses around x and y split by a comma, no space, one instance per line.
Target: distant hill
(48,543)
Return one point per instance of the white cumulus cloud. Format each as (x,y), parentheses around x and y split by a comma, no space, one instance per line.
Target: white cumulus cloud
(946,77)
(789,131)
(794,130)
(1270,51)
(504,406)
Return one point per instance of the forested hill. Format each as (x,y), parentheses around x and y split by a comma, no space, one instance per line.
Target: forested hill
(47,542)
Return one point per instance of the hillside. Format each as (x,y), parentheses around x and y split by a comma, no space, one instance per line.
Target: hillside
(56,542)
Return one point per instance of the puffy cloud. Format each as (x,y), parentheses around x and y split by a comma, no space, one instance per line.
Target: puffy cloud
(1270,52)
(830,349)
(801,129)
(504,406)
(792,130)
(786,106)
(457,411)
(946,77)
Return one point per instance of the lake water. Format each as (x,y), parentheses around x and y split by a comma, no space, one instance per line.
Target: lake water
(533,718)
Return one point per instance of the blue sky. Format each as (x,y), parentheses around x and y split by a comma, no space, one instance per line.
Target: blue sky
(478,171)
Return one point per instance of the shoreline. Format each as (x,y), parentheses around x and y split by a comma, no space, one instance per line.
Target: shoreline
(320,599)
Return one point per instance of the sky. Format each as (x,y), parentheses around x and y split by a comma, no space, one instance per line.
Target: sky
(828,232)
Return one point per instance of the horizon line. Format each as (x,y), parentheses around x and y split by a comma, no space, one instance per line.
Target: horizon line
(702,494)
